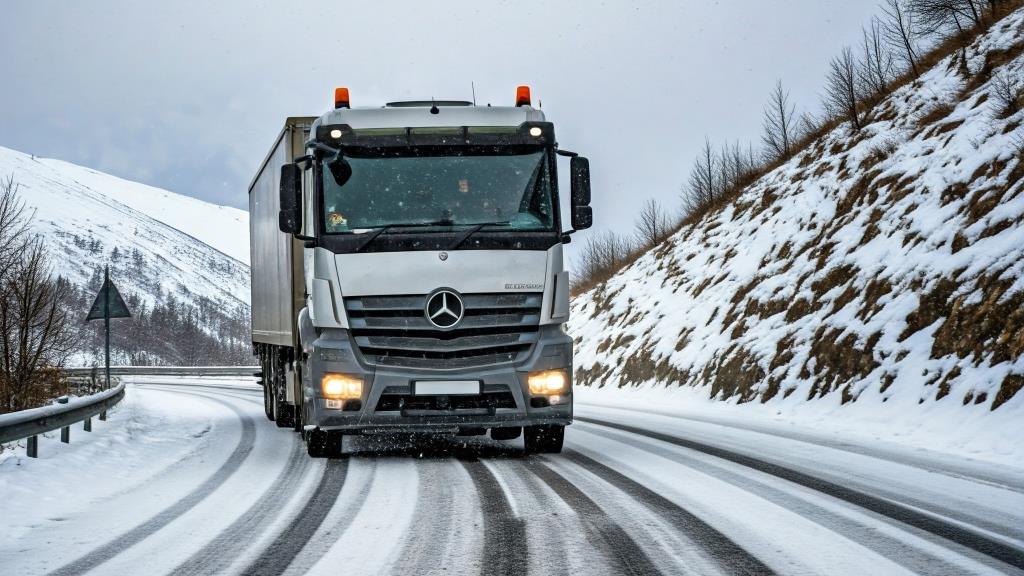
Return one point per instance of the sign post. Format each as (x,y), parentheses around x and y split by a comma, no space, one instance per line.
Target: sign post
(108,304)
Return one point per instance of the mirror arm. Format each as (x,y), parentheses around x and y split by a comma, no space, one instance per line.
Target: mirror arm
(566,153)
(322,147)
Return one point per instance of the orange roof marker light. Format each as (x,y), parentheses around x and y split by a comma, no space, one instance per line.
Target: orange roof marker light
(341,98)
(522,96)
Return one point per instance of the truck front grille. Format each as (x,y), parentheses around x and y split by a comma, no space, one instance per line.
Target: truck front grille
(394,331)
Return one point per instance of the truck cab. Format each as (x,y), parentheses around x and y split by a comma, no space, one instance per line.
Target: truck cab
(424,288)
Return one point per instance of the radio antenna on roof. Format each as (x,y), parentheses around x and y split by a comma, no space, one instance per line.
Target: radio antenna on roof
(472,87)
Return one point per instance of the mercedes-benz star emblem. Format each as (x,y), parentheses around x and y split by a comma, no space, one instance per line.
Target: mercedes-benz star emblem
(443,256)
(444,309)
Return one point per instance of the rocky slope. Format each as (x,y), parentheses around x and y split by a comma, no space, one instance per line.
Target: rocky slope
(885,265)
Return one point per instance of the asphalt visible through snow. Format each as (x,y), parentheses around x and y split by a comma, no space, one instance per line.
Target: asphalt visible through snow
(632,493)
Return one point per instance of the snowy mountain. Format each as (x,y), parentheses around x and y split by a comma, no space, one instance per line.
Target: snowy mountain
(181,263)
(884,265)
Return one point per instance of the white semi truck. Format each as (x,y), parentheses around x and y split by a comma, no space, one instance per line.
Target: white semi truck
(407,273)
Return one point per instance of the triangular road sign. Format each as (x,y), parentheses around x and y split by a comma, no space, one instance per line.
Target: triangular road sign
(108,301)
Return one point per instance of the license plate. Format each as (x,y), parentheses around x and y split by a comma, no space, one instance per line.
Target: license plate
(445,387)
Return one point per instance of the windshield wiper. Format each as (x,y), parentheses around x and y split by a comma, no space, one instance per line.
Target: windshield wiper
(384,229)
(465,236)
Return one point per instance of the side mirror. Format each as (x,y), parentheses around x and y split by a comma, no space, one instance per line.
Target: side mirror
(582,217)
(341,170)
(582,214)
(579,170)
(289,219)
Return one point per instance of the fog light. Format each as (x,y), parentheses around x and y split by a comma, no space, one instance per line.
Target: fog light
(341,387)
(536,132)
(548,382)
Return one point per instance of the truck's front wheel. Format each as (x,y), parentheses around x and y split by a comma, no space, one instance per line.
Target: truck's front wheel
(324,443)
(543,439)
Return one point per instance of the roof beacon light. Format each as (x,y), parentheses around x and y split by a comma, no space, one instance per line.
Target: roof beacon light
(522,96)
(341,98)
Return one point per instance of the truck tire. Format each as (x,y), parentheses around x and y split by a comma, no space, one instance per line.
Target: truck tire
(284,413)
(543,439)
(267,406)
(324,444)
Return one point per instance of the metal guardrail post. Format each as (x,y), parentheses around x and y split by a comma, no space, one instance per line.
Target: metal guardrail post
(103,416)
(62,415)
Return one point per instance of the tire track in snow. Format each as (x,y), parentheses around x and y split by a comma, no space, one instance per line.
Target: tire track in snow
(505,546)
(219,553)
(923,521)
(932,558)
(1007,481)
(329,534)
(276,558)
(732,557)
(167,515)
(602,531)
(247,393)
(433,520)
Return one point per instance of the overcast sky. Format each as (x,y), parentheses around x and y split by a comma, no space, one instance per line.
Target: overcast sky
(188,96)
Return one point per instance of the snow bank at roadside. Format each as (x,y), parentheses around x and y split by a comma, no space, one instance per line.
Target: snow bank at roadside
(144,434)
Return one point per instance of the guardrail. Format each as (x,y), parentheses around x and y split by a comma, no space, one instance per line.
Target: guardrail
(240,371)
(31,423)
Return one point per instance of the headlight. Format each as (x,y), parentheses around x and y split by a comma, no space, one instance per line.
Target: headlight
(548,382)
(341,387)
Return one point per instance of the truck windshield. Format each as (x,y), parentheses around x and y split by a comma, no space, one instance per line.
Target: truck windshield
(441,187)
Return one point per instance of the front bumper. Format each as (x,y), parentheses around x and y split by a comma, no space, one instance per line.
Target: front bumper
(388,403)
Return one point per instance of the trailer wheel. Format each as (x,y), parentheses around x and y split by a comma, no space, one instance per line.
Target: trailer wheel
(284,413)
(267,402)
(324,443)
(544,439)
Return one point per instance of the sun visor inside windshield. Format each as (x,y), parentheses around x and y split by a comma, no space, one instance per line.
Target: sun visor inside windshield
(338,135)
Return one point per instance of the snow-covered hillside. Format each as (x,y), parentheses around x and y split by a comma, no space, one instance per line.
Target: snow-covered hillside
(221,227)
(162,248)
(880,266)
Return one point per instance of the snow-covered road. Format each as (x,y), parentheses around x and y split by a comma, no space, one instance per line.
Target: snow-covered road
(190,478)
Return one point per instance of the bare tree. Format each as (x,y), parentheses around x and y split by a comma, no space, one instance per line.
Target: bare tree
(13,225)
(703,187)
(877,63)
(602,256)
(900,32)
(939,16)
(1007,93)
(807,125)
(653,224)
(842,95)
(34,334)
(778,124)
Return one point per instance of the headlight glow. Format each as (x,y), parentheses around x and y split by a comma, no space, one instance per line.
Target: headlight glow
(548,382)
(341,387)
